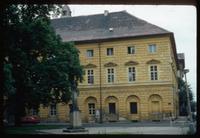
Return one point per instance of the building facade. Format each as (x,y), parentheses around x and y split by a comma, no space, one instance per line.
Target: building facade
(130,68)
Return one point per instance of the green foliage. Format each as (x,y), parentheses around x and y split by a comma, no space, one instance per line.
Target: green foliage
(9,88)
(42,66)
(183,96)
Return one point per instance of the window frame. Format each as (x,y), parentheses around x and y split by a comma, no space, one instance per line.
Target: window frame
(33,111)
(109,108)
(88,54)
(110,75)
(152,48)
(129,51)
(111,53)
(133,109)
(132,73)
(91,108)
(90,76)
(54,111)
(70,108)
(153,72)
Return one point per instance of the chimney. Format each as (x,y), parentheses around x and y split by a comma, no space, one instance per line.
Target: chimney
(106,12)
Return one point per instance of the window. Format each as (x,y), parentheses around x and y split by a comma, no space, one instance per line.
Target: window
(110,51)
(112,109)
(33,111)
(70,108)
(152,48)
(110,75)
(90,74)
(131,74)
(53,109)
(90,53)
(131,50)
(154,72)
(133,108)
(91,107)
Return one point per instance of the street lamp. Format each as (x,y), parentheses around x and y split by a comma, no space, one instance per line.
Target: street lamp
(188,98)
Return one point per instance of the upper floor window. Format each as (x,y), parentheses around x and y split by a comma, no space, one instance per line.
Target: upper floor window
(152,48)
(90,53)
(91,107)
(90,75)
(53,110)
(154,72)
(110,75)
(131,50)
(131,74)
(110,51)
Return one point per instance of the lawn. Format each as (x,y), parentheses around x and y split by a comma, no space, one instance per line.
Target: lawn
(30,129)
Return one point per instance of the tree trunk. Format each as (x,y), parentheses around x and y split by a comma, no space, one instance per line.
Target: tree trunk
(1,112)
(2,55)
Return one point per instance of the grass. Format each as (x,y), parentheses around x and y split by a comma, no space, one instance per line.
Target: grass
(30,129)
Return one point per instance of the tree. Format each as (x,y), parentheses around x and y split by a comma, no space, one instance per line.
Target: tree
(43,67)
(183,97)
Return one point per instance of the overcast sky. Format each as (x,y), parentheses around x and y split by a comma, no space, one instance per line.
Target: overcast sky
(181,20)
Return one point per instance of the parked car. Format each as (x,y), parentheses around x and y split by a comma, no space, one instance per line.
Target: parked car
(30,119)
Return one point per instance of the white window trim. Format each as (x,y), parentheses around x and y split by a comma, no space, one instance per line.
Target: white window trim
(158,73)
(149,50)
(93,77)
(91,109)
(128,74)
(55,110)
(87,53)
(134,50)
(114,70)
(107,51)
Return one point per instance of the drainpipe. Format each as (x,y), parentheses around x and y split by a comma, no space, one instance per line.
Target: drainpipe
(100,90)
(174,112)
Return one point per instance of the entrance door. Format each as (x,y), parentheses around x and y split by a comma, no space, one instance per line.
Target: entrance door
(112,108)
(155,110)
(155,107)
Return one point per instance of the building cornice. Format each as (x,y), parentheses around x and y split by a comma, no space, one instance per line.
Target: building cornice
(153,61)
(110,64)
(131,63)
(108,86)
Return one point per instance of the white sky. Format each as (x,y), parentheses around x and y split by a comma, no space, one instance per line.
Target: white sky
(181,20)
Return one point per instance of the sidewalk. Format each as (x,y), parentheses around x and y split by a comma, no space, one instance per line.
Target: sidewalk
(125,130)
(177,127)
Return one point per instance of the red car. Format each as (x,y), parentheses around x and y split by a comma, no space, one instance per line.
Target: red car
(30,119)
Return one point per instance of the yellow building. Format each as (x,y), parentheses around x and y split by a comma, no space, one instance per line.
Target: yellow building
(130,67)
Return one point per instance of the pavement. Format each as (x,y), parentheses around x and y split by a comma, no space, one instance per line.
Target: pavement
(124,130)
(178,127)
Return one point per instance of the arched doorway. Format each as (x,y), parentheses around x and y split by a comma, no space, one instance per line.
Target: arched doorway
(111,111)
(155,107)
(90,108)
(133,108)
